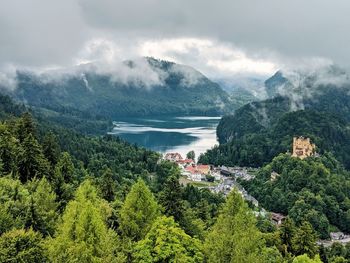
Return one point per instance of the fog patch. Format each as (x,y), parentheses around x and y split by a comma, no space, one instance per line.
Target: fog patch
(8,80)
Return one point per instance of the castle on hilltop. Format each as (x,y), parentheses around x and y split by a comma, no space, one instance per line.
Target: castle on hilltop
(302,147)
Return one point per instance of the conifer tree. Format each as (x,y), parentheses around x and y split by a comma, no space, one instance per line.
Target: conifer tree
(51,148)
(167,242)
(164,171)
(83,235)
(286,233)
(234,237)
(138,212)
(305,259)
(62,179)
(25,127)
(66,168)
(171,198)
(304,241)
(14,199)
(22,246)
(9,149)
(41,212)
(32,163)
(108,185)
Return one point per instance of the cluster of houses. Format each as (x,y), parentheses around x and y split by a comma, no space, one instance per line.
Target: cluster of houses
(191,170)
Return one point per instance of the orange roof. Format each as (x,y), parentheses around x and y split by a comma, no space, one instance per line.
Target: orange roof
(186,161)
(203,169)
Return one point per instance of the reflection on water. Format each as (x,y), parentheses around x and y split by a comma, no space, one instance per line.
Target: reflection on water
(169,134)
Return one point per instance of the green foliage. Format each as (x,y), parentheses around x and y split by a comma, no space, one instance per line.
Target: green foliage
(138,212)
(108,185)
(306,259)
(32,162)
(14,199)
(304,241)
(22,246)
(9,149)
(166,242)
(63,178)
(83,235)
(315,190)
(51,148)
(234,237)
(25,127)
(171,198)
(164,171)
(42,208)
(191,155)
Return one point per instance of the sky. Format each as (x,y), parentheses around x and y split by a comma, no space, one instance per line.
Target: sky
(222,38)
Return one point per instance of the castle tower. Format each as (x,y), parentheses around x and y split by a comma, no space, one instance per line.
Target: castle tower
(302,147)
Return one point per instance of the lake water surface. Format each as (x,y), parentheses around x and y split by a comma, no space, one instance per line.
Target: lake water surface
(169,134)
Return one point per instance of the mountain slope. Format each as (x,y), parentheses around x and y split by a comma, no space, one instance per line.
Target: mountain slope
(137,88)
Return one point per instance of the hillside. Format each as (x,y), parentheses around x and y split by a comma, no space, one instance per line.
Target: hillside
(134,88)
(315,189)
(258,131)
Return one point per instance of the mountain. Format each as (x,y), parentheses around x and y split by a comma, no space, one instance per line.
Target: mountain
(243,89)
(317,106)
(133,88)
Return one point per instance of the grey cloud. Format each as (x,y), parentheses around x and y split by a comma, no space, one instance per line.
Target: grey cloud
(293,28)
(41,33)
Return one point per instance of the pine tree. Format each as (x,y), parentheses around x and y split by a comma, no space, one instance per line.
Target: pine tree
(171,199)
(25,127)
(83,235)
(164,171)
(32,163)
(167,242)
(305,259)
(138,212)
(66,168)
(191,155)
(9,149)
(304,241)
(62,180)
(41,212)
(14,200)
(234,237)
(51,148)
(286,234)
(108,185)
(22,246)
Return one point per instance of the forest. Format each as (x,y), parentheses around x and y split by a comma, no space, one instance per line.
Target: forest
(69,197)
(244,141)
(316,190)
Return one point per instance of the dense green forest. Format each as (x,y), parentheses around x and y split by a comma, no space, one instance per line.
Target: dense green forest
(316,190)
(258,145)
(68,197)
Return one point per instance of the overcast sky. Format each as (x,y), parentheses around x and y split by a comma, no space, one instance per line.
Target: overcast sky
(220,38)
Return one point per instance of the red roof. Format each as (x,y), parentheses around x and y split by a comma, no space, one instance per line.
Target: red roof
(198,169)
(186,161)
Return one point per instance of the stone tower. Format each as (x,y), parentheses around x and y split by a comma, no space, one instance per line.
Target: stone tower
(302,147)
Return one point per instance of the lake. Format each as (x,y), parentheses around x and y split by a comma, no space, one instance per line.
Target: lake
(169,134)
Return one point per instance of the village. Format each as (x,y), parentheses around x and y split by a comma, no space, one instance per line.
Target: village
(222,179)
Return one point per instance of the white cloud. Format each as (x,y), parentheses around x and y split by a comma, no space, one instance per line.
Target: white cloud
(211,57)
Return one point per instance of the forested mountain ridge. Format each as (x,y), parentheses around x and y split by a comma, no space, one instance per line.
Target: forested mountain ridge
(260,130)
(134,88)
